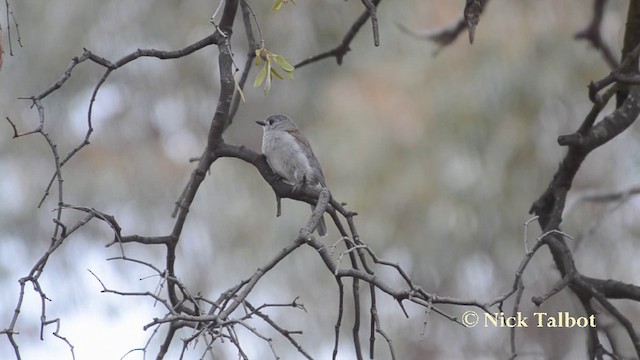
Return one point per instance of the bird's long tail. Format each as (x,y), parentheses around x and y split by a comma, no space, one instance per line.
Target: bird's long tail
(322,227)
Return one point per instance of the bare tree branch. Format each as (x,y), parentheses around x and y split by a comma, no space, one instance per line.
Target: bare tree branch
(343,48)
(593,34)
(447,35)
(549,207)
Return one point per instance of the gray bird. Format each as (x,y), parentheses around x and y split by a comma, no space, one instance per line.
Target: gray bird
(290,156)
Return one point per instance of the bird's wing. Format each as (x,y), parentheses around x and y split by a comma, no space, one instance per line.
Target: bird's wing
(313,161)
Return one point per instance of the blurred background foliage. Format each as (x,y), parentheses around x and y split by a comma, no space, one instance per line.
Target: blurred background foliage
(441,156)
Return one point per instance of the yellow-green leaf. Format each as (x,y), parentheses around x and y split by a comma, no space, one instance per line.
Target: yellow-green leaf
(262,74)
(277,74)
(239,90)
(267,84)
(276,5)
(283,63)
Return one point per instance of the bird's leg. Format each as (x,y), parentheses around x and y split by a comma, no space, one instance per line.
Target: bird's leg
(278,206)
(301,184)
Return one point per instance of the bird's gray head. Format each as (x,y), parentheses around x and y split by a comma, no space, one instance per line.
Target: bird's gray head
(277,122)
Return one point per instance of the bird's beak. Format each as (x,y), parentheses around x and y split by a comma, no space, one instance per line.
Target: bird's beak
(261,123)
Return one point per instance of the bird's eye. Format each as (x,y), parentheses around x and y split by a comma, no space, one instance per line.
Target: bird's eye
(270,121)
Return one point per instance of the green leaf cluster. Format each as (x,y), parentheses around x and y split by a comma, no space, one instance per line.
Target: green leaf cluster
(278,4)
(267,59)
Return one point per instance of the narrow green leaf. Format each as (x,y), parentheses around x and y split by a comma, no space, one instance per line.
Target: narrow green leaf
(276,5)
(283,63)
(267,84)
(239,90)
(260,77)
(277,74)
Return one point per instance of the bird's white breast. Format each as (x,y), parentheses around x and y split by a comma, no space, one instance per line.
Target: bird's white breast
(285,156)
